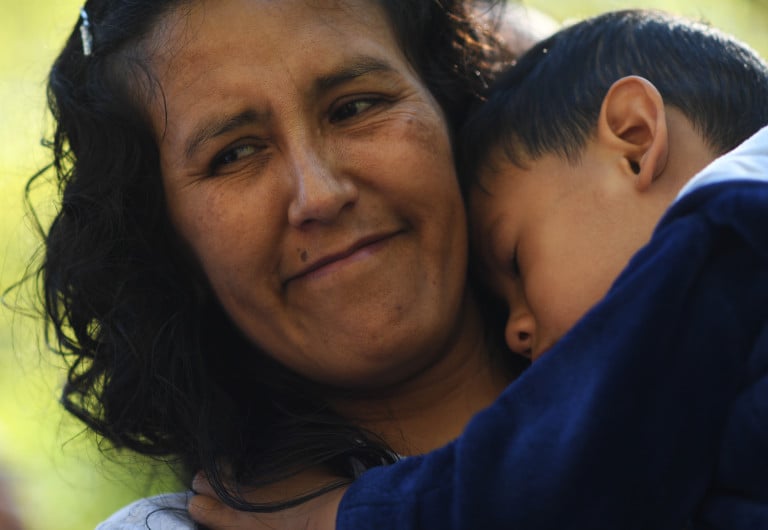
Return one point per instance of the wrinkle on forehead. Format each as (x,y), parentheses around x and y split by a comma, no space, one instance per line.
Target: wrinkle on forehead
(176,31)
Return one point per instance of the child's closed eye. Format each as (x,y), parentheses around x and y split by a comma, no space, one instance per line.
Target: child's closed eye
(514,264)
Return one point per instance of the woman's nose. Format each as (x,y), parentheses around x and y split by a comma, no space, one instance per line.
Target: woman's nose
(519,333)
(321,193)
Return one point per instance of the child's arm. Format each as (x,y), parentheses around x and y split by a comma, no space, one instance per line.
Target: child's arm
(619,425)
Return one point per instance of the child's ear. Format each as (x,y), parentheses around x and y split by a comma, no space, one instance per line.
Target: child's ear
(632,119)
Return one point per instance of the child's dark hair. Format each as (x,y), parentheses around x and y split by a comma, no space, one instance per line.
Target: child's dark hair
(549,101)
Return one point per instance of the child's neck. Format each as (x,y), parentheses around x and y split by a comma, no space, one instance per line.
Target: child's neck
(688,154)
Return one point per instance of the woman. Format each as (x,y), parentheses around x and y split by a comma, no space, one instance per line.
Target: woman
(260,257)
(259,263)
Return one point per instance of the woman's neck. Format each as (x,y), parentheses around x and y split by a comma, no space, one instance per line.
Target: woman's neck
(432,408)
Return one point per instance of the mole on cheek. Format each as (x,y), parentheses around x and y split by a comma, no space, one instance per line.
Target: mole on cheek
(304,256)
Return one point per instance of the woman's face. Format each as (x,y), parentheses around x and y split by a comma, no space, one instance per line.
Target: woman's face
(310,172)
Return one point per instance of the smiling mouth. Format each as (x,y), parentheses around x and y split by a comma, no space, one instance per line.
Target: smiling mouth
(360,249)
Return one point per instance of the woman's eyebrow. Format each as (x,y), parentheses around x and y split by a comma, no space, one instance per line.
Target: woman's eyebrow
(350,70)
(222,125)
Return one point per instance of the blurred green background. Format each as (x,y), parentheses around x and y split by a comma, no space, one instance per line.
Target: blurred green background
(58,478)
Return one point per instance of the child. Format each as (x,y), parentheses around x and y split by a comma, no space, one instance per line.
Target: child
(584,145)
(578,153)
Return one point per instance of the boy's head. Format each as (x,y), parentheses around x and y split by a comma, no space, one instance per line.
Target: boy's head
(582,146)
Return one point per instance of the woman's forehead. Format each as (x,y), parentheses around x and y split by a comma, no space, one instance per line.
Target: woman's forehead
(180,25)
(196,39)
(225,57)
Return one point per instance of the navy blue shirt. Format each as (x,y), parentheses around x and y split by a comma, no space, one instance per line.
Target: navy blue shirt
(651,413)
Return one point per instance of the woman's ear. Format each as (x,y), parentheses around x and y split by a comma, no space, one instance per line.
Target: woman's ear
(632,119)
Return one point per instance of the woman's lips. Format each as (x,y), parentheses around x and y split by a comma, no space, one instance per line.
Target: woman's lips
(360,249)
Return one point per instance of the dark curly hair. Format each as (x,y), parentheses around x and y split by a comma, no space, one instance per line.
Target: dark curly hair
(154,364)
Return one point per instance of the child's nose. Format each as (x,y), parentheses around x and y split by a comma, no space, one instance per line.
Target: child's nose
(519,333)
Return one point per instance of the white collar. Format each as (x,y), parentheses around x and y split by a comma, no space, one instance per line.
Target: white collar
(749,161)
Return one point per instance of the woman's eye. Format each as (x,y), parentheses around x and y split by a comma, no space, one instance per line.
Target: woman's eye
(233,155)
(350,109)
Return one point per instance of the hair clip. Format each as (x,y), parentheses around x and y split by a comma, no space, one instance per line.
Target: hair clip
(85,32)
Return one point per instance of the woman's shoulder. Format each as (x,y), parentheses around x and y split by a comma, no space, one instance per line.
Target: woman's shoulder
(167,511)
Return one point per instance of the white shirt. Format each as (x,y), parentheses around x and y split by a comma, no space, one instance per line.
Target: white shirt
(749,161)
(161,512)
